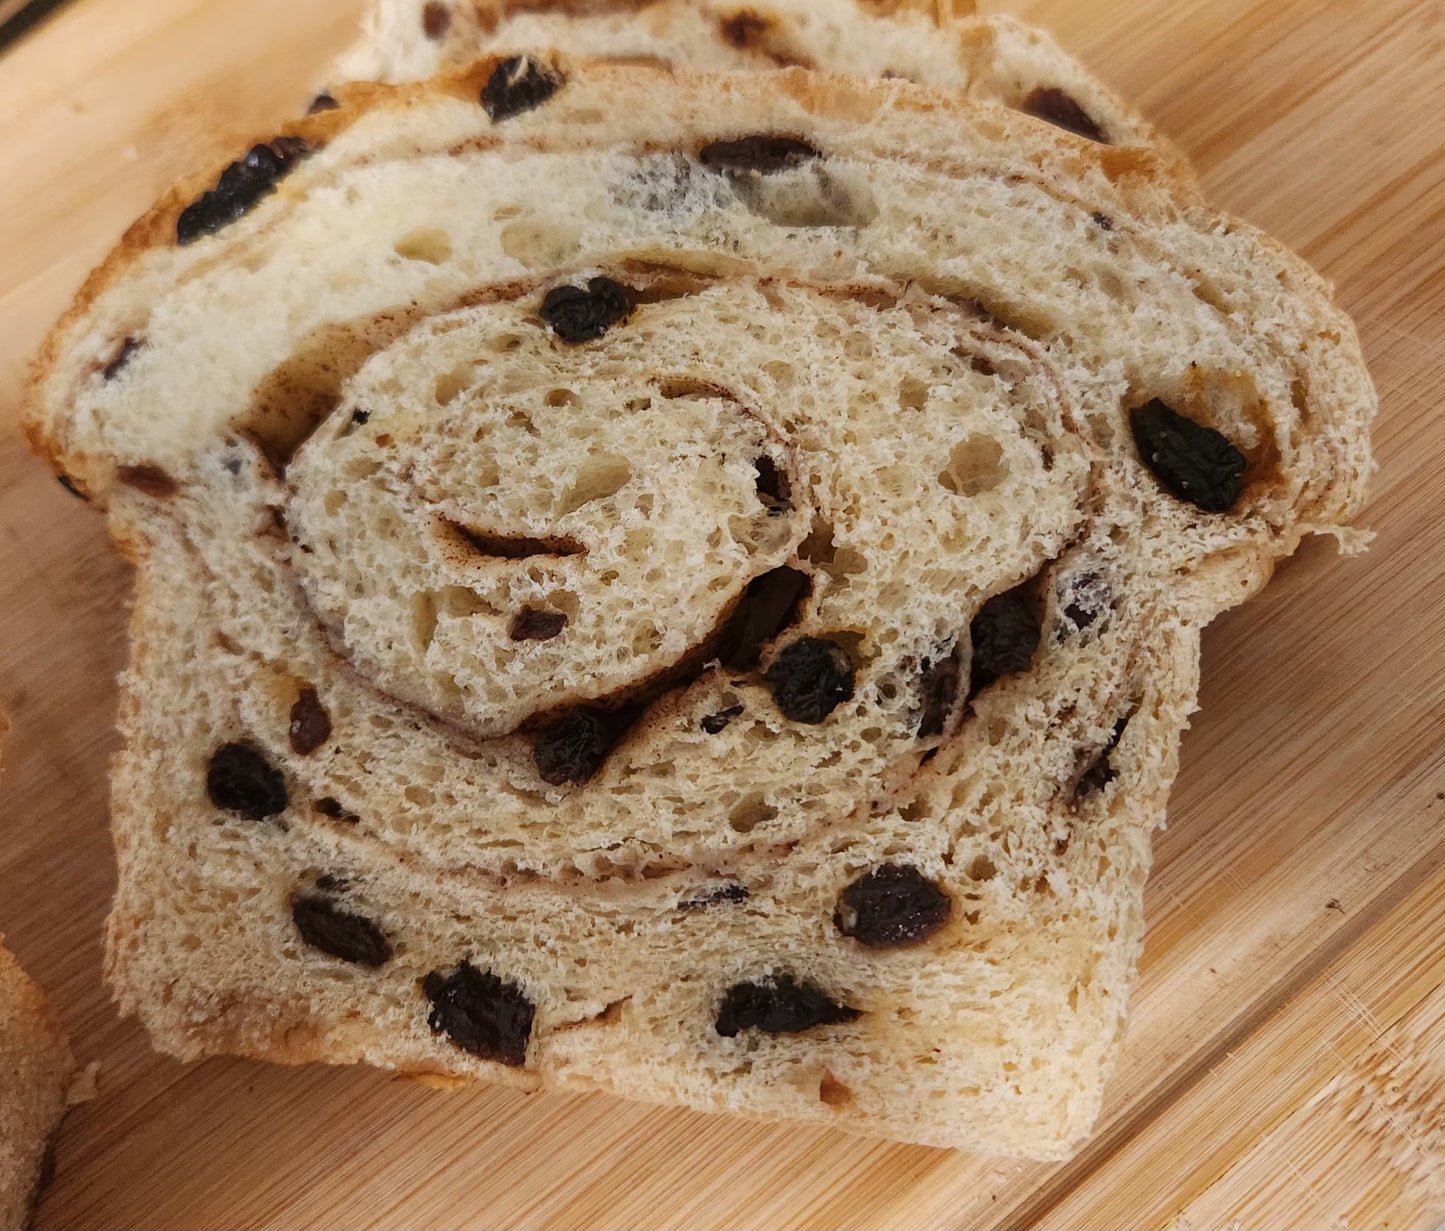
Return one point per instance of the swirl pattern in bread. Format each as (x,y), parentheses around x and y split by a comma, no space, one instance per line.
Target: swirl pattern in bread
(688,586)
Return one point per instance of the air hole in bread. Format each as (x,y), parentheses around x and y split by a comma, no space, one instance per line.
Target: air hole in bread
(449,384)
(513,546)
(750,812)
(975,465)
(429,245)
(598,479)
(982,868)
(912,394)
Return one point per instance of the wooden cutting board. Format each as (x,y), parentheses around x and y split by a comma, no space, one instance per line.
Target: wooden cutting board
(1286,1061)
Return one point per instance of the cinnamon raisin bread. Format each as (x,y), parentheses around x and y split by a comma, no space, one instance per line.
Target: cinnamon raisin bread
(686,586)
(35,1071)
(931,42)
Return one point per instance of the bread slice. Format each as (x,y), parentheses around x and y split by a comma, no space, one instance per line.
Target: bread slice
(35,1071)
(687,586)
(931,42)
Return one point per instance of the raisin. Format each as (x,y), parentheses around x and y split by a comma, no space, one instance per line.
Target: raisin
(773,487)
(811,678)
(578,315)
(573,747)
(516,85)
(68,483)
(361,417)
(122,357)
(240,779)
(778,1005)
(1192,462)
(436,20)
(1103,221)
(1054,106)
(530,624)
(714,724)
(151,480)
(1005,634)
(761,154)
(769,605)
(242,186)
(325,101)
(892,905)
(353,938)
(1100,773)
(480,1013)
(328,806)
(732,891)
(310,723)
(1088,598)
(938,686)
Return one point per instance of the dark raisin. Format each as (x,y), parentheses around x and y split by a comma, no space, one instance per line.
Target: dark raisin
(151,480)
(516,85)
(578,315)
(121,358)
(360,416)
(811,678)
(1192,462)
(1088,598)
(1054,106)
(1005,634)
(574,747)
(778,1005)
(322,102)
(68,483)
(530,624)
(1100,773)
(773,487)
(742,28)
(938,687)
(240,779)
(892,905)
(436,20)
(310,723)
(328,806)
(732,891)
(353,938)
(713,724)
(242,186)
(769,605)
(1103,221)
(761,154)
(480,1013)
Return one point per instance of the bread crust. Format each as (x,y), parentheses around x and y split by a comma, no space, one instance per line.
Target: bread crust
(35,1071)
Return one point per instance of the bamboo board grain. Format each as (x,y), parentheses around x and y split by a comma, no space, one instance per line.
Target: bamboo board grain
(1286,1060)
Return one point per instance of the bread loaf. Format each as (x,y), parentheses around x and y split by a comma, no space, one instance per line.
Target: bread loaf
(931,42)
(681,585)
(35,1071)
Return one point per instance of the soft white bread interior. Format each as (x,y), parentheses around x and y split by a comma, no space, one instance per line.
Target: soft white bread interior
(681,585)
